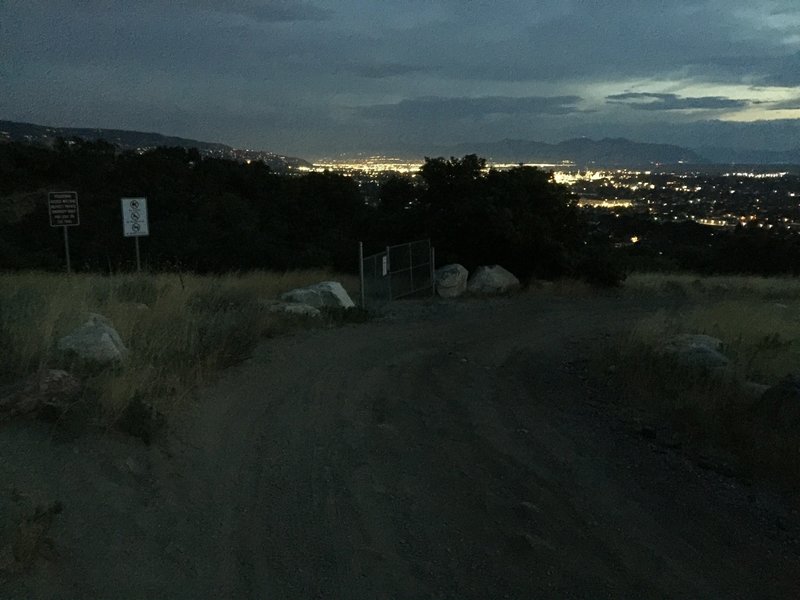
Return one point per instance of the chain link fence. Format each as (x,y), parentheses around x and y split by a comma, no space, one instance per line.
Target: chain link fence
(399,271)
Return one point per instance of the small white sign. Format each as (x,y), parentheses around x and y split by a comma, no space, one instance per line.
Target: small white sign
(385,265)
(134,217)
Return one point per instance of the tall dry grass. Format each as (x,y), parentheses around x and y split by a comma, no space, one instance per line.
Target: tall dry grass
(180,329)
(758,320)
(715,286)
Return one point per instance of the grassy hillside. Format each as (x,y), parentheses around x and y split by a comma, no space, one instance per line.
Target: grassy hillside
(180,329)
(758,320)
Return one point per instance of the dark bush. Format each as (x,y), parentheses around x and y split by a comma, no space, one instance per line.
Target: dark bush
(141,290)
(599,270)
(140,419)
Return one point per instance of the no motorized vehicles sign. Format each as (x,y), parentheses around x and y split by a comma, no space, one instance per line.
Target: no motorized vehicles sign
(134,217)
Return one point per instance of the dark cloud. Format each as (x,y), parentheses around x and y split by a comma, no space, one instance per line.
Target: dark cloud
(289,72)
(458,108)
(597,40)
(766,68)
(268,11)
(791,104)
(383,70)
(783,71)
(650,101)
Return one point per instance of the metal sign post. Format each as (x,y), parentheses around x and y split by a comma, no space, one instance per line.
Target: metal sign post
(63,209)
(66,250)
(138,256)
(135,223)
(361,274)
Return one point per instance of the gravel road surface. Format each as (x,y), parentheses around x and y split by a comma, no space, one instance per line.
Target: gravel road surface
(452,451)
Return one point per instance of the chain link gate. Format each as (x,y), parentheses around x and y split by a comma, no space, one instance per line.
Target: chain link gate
(399,271)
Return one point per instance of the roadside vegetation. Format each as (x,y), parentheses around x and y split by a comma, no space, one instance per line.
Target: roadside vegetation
(717,411)
(180,329)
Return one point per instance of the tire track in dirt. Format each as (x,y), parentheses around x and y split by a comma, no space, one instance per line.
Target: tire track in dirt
(444,457)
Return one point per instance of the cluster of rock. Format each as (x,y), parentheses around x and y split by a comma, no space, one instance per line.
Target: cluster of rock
(48,393)
(307,301)
(775,409)
(453,280)
(694,350)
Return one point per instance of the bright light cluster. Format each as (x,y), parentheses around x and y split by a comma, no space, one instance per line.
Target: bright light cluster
(757,175)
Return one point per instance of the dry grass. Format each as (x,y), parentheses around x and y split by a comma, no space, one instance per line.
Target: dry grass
(571,288)
(180,329)
(718,286)
(24,531)
(758,319)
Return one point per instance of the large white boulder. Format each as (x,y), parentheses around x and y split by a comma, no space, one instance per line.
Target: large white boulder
(492,279)
(95,341)
(695,350)
(320,295)
(451,280)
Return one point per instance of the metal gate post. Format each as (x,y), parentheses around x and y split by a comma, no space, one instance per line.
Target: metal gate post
(361,273)
(433,272)
(411,267)
(389,270)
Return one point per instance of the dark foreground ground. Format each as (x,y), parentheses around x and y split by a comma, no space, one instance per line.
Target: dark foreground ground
(451,451)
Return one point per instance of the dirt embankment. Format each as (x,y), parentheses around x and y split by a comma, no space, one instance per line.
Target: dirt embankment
(453,453)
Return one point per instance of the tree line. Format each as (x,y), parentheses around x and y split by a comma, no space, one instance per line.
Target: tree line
(691,247)
(215,215)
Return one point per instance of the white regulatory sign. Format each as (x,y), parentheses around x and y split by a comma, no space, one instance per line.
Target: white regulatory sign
(134,217)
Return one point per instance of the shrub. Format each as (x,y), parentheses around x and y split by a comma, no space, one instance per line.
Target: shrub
(141,289)
(599,270)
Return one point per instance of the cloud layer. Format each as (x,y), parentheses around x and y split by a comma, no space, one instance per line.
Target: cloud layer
(473,108)
(651,101)
(318,76)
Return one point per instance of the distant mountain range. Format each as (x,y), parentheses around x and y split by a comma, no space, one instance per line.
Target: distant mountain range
(608,152)
(583,152)
(139,140)
(618,152)
(755,157)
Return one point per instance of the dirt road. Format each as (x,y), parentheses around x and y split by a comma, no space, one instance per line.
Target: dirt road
(448,452)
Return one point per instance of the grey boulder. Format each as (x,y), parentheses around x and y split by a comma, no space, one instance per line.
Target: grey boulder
(492,279)
(696,351)
(326,294)
(95,341)
(451,280)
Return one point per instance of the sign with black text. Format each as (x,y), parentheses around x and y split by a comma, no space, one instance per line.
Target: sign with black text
(63,207)
(134,217)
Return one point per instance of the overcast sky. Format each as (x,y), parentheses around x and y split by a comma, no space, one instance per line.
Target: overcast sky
(319,77)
